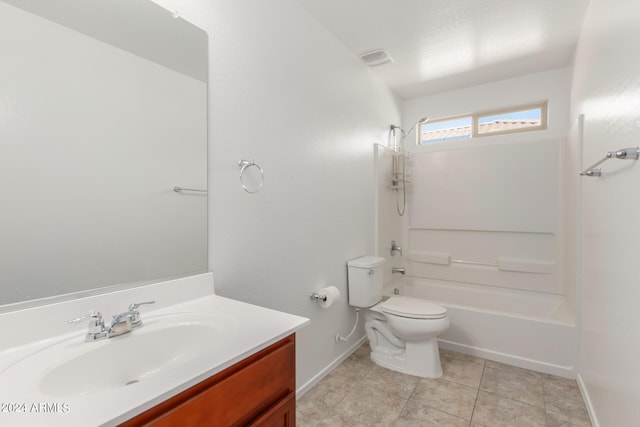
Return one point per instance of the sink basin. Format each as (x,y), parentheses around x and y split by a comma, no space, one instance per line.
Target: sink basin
(128,359)
(164,345)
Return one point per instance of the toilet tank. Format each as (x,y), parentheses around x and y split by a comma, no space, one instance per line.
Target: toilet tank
(365,276)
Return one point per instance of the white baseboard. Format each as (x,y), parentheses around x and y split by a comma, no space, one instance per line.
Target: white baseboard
(587,400)
(326,371)
(509,359)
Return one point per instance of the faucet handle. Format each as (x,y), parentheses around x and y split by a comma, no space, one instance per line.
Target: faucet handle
(96,325)
(135,305)
(134,314)
(95,318)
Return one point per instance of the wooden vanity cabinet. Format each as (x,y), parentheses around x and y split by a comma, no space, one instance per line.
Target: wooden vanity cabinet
(258,391)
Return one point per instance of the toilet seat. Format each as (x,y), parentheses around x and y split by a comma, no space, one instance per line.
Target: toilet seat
(413,308)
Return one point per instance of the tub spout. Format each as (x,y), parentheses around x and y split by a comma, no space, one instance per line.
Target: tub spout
(400,270)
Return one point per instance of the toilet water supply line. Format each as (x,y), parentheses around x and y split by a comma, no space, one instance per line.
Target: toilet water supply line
(355,325)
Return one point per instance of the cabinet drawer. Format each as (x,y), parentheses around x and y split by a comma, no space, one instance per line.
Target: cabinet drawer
(282,414)
(233,397)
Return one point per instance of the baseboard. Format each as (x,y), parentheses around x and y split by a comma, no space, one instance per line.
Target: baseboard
(326,371)
(509,359)
(587,400)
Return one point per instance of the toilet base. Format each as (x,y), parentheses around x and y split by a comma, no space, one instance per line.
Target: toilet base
(421,359)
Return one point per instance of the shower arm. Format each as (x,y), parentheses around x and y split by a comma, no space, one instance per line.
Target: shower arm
(415,125)
(404,134)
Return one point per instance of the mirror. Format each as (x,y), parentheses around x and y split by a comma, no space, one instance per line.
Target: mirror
(103,111)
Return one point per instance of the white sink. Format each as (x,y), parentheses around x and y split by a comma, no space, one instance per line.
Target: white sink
(74,368)
(52,377)
(128,359)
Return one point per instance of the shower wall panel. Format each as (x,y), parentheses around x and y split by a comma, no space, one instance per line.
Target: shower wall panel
(487,215)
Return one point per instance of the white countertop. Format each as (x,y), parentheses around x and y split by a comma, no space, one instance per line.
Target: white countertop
(246,329)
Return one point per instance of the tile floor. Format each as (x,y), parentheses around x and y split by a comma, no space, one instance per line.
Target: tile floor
(472,392)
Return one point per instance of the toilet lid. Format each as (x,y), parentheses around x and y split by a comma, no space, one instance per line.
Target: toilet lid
(415,308)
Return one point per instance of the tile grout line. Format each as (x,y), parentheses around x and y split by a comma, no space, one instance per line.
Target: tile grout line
(544,402)
(484,366)
(406,402)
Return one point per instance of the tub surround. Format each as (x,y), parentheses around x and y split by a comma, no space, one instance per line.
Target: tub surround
(492,250)
(45,329)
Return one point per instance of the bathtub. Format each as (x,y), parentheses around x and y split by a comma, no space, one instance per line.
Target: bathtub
(531,330)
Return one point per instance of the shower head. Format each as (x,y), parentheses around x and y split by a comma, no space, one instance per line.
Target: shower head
(420,120)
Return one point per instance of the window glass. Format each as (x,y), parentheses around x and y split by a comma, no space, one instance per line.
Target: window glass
(445,130)
(510,121)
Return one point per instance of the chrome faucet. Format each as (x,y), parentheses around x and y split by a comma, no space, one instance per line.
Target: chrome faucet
(400,270)
(120,324)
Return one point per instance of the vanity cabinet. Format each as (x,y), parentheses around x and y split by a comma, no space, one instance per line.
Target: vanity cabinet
(258,391)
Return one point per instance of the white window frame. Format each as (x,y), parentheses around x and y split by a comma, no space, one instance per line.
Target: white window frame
(475,120)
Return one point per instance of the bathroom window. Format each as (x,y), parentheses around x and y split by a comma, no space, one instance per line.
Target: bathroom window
(498,122)
(446,130)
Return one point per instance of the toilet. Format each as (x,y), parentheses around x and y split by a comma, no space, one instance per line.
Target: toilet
(402,331)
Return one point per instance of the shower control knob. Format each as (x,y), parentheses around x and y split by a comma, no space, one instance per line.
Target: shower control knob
(395,248)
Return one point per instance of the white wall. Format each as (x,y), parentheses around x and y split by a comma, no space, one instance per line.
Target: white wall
(606,89)
(285,92)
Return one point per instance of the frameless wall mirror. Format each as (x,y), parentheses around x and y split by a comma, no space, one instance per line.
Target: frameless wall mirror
(103,111)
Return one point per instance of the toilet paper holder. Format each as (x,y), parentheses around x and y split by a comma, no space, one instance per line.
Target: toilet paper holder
(326,297)
(317,297)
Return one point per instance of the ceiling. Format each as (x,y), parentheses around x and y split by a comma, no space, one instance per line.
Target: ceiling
(441,45)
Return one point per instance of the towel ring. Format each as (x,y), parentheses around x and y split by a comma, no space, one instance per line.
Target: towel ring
(244,165)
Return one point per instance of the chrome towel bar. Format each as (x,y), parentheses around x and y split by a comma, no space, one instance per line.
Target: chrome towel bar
(180,190)
(631,153)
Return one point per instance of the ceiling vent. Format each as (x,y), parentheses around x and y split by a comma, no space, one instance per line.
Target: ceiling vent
(376,57)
